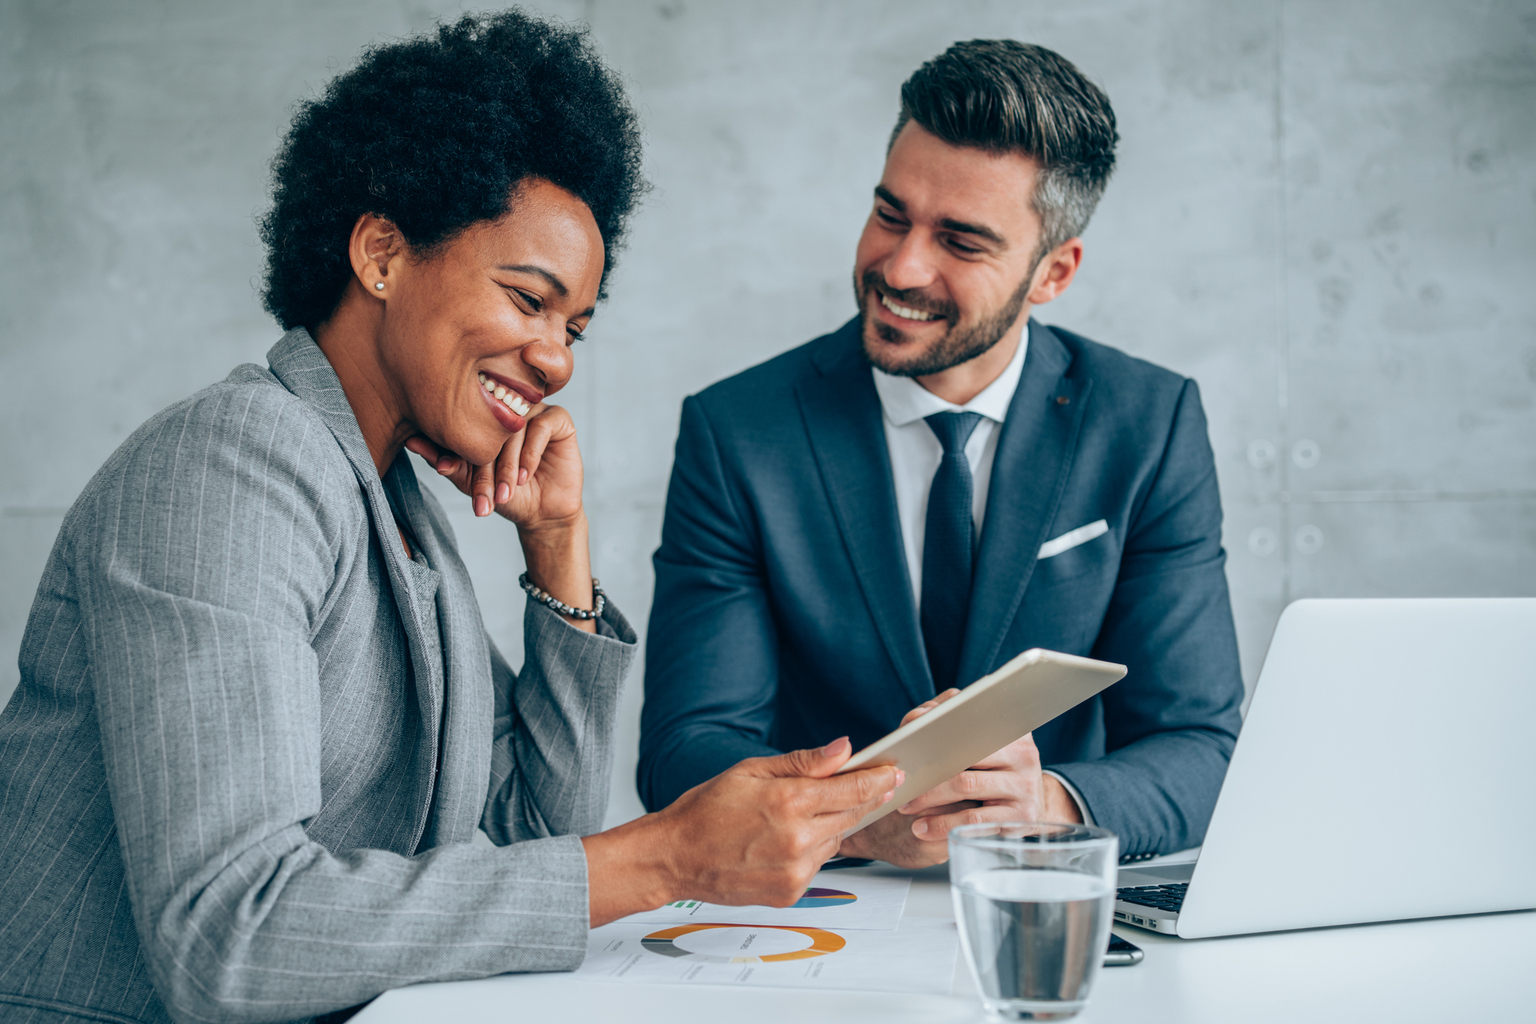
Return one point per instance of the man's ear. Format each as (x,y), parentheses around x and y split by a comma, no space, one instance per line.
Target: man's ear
(1055,271)
(376,246)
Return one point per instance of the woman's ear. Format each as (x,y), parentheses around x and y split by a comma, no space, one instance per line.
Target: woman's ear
(376,246)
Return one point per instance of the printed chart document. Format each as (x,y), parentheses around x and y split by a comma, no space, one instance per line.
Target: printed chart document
(917,957)
(836,899)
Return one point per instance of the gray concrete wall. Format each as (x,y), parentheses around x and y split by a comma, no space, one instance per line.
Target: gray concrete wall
(1325,212)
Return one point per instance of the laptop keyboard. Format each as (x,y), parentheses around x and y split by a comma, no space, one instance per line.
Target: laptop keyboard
(1161,897)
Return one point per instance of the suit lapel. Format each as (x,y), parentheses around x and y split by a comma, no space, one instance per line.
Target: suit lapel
(843,421)
(1029,474)
(465,728)
(302,368)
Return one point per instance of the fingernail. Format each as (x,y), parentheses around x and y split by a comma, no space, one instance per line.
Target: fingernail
(445,466)
(920,827)
(835,747)
(482,506)
(522,476)
(906,808)
(887,798)
(901,776)
(503,492)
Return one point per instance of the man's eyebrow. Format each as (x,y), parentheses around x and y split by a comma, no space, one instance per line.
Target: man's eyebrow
(974,229)
(948,223)
(554,282)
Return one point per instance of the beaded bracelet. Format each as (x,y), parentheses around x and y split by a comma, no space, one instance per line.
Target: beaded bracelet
(599,600)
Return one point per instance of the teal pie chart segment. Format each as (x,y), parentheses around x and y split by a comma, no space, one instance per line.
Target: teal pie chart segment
(824,898)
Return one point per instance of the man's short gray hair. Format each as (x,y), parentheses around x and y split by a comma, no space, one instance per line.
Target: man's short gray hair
(1001,95)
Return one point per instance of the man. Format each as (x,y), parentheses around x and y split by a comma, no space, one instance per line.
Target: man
(901,506)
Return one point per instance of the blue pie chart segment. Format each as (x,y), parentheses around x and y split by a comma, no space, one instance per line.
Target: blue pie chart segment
(824,898)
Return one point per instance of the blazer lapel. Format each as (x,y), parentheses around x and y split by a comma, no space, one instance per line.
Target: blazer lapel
(302,368)
(463,773)
(1029,475)
(842,418)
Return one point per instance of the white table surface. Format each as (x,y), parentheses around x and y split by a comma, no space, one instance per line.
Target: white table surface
(1461,969)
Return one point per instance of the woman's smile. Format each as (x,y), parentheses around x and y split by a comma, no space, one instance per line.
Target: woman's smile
(510,401)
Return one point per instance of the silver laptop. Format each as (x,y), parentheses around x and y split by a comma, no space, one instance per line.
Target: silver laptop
(1386,770)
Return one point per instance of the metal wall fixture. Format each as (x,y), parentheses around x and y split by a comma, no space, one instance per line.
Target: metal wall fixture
(1263,541)
(1261,454)
(1308,539)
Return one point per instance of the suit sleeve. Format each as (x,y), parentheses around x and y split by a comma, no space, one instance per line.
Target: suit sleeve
(198,579)
(711,662)
(1170,725)
(553,750)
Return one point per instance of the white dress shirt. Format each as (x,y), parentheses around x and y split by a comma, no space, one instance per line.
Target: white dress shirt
(916,453)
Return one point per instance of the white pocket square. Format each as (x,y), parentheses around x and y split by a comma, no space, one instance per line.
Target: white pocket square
(1072,538)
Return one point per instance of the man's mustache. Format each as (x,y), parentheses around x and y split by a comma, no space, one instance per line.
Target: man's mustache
(912,299)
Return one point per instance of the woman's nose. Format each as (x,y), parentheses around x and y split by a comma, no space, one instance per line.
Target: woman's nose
(552,360)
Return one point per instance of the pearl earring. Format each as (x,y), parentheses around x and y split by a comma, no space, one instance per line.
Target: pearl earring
(378,285)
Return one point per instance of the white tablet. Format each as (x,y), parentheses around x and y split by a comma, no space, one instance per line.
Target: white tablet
(982,719)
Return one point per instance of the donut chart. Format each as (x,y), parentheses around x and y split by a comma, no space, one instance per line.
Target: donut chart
(664,943)
(824,898)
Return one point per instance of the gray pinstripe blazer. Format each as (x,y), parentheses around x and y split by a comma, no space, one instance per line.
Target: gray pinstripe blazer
(240,774)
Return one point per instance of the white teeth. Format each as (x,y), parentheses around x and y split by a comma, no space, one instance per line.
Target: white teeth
(505,395)
(907,313)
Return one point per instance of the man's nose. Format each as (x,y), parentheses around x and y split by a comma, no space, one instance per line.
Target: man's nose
(910,266)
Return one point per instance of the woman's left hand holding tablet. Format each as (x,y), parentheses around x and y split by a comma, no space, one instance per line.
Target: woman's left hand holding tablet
(535,481)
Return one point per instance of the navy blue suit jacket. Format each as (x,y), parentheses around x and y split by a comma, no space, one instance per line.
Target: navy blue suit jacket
(784,617)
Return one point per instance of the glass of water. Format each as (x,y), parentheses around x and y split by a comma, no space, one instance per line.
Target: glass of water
(1034,902)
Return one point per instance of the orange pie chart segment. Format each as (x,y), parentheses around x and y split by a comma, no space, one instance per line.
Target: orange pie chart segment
(737,943)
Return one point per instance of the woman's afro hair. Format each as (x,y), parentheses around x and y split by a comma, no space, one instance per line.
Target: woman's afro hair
(434,133)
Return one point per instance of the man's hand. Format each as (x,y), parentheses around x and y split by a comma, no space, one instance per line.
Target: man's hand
(892,840)
(1008,786)
(754,834)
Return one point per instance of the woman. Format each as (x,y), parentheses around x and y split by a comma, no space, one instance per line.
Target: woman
(259,720)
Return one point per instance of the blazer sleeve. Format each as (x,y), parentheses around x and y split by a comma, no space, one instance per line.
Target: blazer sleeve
(204,564)
(1171,724)
(553,751)
(711,659)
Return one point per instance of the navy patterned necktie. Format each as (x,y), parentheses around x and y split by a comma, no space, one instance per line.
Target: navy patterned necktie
(948,545)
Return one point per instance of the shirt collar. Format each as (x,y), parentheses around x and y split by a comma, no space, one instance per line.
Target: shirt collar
(904,400)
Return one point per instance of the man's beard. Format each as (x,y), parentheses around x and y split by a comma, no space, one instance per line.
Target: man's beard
(956,346)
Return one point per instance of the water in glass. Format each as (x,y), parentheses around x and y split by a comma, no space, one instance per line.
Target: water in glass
(1035,938)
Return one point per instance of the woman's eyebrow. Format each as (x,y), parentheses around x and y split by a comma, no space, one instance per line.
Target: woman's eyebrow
(528,268)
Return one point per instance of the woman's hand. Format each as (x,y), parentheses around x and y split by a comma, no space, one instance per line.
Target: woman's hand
(1008,786)
(892,838)
(754,834)
(535,480)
